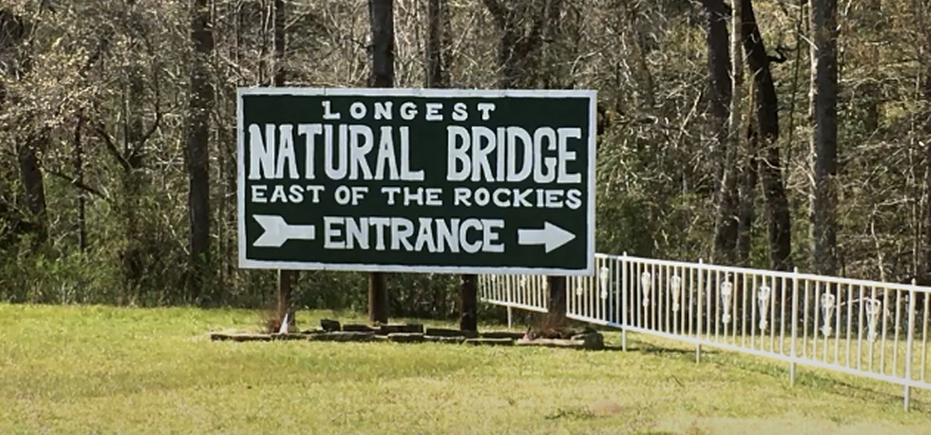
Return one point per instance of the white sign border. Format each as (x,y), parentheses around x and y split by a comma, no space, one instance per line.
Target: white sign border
(245,263)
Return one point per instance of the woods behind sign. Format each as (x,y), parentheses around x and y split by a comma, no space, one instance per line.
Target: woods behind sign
(405,180)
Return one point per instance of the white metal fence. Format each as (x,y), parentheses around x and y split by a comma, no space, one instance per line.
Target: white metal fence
(867,328)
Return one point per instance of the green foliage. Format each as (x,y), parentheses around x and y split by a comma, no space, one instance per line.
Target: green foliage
(121,65)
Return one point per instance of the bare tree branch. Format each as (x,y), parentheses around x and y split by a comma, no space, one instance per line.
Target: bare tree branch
(498,12)
(83,186)
(101,132)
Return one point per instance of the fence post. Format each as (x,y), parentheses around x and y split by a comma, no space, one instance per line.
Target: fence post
(700,312)
(624,307)
(509,291)
(909,341)
(794,324)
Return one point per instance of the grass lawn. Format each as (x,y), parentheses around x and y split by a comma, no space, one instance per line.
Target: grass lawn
(118,370)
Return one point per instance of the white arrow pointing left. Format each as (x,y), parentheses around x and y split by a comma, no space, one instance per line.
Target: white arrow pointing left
(277,231)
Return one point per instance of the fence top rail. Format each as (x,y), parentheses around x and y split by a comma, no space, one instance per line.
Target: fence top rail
(769,273)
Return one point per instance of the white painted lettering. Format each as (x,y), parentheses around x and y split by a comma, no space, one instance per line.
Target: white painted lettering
(459,112)
(315,191)
(480,165)
(310,132)
(433,112)
(296,194)
(357,110)
(358,192)
(408,111)
(258,193)
(286,152)
(383,110)
(434,197)
(470,247)
(425,236)
(415,196)
(500,139)
(336,170)
(406,173)
(482,197)
(357,233)
(457,135)
(486,108)
(539,175)
(489,236)
(391,191)
(331,233)
(342,195)
(380,224)
(574,199)
(386,156)
(553,198)
(327,114)
(461,196)
(278,194)
(261,152)
(516,134)
(565,155)
(401,230)
(500,198)
(447,235)
(358,150)
(520,198)
(510,154)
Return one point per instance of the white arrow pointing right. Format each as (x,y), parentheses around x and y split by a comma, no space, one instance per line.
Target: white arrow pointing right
(277,231)
(551,237)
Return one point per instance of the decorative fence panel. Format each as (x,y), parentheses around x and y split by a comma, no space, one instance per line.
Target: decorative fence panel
(867,328)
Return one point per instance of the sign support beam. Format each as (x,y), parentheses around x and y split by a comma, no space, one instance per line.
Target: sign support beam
(468,302)
(556,308)
(378,298)
(381,17)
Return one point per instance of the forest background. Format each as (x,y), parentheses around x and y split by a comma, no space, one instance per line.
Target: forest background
(117,132)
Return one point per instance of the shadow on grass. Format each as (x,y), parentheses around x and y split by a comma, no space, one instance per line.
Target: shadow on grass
(869,391)
(650,349)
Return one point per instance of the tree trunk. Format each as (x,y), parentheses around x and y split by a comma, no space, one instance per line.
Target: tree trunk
(435,72)
(823,15)
(133,267)
(33,181)
(519,49)
(556,306)
(437,76)
(766,122)
(14,31)
(735,172)
(551,32)
(198,146)
(519,53)
(132,159)
(286,278)
(381,20)
(719,61)
(924,50)
(78,163)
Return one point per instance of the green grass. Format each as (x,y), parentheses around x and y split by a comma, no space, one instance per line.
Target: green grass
(116,370)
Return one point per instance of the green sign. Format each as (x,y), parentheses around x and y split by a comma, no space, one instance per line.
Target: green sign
(417,180)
